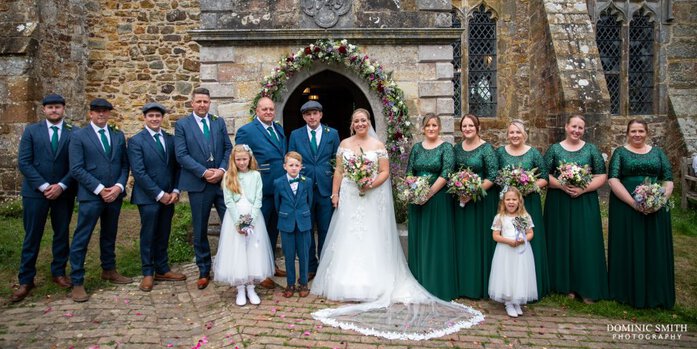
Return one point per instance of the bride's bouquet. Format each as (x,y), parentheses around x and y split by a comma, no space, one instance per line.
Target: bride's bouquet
(466,184)
(360,169)
(413,189)
(524,181)
(651,197)
(244,224)
(572,174)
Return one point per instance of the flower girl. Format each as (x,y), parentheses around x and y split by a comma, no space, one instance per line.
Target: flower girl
(512,280)
(244,251)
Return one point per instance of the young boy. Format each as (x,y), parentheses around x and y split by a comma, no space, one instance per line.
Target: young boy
(293,198)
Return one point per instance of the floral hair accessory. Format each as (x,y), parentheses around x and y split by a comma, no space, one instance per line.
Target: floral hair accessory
(247,149)
(503,192)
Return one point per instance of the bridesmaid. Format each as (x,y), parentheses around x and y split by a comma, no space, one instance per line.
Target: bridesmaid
(517,153)
(572,219)
(474,247)
(640,243)
(431,249)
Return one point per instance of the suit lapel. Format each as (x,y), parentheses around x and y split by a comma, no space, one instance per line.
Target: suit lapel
(169,145)
(290,190)
(198,134)
(150,140)
(97,143)
(65,134)
(112,135)
(45,138)
(322,141)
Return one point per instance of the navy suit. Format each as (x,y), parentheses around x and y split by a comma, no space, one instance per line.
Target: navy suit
(40,165)
(295,224)
(317,166)
(92,167)
(270,155)
(196,154)
(154,172)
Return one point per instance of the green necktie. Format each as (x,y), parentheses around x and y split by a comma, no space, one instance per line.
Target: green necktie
(157,139)
(272,134)
(313,141)
(105,142)
(54,139)
(206,130)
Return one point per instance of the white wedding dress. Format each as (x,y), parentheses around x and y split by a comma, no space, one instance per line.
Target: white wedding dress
(362,260)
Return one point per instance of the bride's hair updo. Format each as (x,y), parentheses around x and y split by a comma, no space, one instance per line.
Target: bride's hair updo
(356,112)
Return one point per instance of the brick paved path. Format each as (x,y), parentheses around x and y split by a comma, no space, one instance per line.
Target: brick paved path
(178,315)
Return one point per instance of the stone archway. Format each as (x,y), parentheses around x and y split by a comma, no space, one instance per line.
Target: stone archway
(340,93)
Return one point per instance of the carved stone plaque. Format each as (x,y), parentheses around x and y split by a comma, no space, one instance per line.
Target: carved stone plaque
(326,12)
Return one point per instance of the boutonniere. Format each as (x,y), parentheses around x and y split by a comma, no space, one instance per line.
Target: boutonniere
(114,127)
(302,178)
(213,117)
(67,126)
(277,123)
(326,129)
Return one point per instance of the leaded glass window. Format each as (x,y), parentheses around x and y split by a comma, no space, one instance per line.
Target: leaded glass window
(609,41)
(481,84)
(641,66)
(457,69)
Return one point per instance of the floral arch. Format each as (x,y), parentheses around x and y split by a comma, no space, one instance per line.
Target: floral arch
(394,109)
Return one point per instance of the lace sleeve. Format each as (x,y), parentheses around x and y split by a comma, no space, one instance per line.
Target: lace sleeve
(531,224)
(615,163)
(540,164)
(666,171)
(491,162)
(448,161)
(550,159)
(412,158)
(496,224)
(597,161)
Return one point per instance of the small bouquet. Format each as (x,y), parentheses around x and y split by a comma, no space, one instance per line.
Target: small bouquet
(466,184)
(244,224)
(413,189)
(360,169)
(521,226)
(512,176)
(651,197)
(572,174)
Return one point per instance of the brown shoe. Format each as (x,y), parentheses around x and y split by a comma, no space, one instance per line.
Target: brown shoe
(280,273)
(79,294)
(114,277)
(203,282)
(311,275)
(288,292)
(22,292)
(303,291)
(170,276)
(146,284)
(62,281)
(268,283)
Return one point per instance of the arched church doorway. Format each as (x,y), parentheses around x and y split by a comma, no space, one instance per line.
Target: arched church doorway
(338,95)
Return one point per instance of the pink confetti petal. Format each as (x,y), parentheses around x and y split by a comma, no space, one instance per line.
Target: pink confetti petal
(306,333)
(169,345)
(291,326)
(125,301)
(282,316)
(138,314)
(47,310)
(68,314)
(319,327)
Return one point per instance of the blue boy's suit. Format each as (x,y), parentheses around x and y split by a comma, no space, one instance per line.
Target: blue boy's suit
(91,166)
(270,155)
(196,154)
(40,165)
(294,223)
(154,172)
(317,166)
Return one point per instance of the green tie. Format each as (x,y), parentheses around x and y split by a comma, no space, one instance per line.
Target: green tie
(206,130)
(272,134)
(157,139)
(105,142)
(54,139)
(313,141)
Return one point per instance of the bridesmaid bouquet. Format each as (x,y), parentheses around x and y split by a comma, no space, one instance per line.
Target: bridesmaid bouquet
(651,197)
(572,174)
(360,169)
(512,176)
(413,189)
(466,184)
(244,224)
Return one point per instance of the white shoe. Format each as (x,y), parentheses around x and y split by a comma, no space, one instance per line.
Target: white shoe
(510,310)
(253,297)
(518,309)
(241,299)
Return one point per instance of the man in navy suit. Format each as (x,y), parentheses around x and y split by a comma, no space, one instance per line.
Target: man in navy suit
(317,144)
(47,186)
(156,172)
(268,142)
(203,148)
(99,163)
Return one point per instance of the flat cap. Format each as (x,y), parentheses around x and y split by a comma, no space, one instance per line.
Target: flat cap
(154,105)
(310,105)
(100,103)
(53,98)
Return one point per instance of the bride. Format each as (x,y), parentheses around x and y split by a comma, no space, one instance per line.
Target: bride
(362,259)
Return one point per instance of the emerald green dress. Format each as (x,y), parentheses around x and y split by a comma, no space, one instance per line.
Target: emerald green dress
(640,247)
(533,204)
(474,246)
(574,229)
(431,248)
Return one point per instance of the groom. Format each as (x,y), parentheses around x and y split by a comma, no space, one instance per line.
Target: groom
(317,144)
